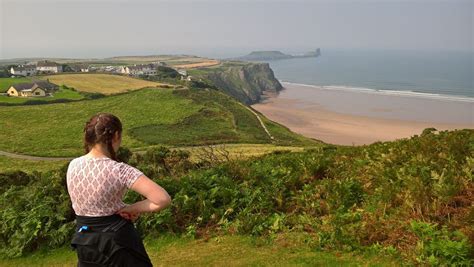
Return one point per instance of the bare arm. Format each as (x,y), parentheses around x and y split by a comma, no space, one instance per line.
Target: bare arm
(156,198)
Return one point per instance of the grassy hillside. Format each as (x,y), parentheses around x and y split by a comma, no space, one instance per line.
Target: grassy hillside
(409,200)
(150,117)
(100,83)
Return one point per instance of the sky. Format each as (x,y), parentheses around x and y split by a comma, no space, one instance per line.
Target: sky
(103,28)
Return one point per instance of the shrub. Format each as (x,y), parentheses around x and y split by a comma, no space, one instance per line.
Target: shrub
(439,247)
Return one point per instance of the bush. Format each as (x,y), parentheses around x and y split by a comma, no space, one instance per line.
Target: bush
(439,247)
(34,215)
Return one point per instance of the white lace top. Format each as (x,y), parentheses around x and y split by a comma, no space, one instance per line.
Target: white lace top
(97,185)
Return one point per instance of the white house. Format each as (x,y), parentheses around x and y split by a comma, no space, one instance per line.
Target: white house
(23,70)
(145,69)
(48,66)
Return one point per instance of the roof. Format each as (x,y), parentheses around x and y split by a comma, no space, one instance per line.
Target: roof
(46,63)
(78,66)
(31,86)
(140,67)
(24,67)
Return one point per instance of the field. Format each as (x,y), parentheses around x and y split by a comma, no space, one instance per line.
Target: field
(190,65)
(218,251)
(5,83)
(150,117)
(100,83)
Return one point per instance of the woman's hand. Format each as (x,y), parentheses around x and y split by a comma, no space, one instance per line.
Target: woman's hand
(156,199)
(129,213)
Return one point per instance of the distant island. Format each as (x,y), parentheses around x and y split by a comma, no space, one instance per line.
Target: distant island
(276,55)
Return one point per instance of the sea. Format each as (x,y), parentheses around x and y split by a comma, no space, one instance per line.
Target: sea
(430,74)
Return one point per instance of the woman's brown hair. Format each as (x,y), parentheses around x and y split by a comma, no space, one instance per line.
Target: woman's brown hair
(101,129)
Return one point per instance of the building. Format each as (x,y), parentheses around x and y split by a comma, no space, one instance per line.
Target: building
(35,89)
(182,72)
(23,70)
(159,63)
(187,78)
(145,69)
(47,66)
(79,68)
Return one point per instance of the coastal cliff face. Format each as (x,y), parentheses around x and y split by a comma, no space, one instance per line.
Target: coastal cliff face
(245,82)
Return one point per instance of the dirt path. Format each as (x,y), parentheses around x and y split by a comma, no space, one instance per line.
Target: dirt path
(260,120)
(20,156)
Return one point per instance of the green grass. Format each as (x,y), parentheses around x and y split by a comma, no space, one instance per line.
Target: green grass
(204,127)
(5,83)
(218,251)
(28,166)
(62,93)
(61,124)
(150,116)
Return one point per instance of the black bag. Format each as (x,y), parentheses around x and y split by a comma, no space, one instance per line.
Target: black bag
(108,241)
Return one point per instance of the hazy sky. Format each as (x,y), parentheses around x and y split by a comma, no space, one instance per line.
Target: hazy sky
(72,28)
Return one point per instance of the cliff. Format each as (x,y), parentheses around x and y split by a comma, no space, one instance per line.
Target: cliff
(244,81)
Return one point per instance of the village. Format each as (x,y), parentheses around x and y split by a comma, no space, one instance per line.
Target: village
(43,88)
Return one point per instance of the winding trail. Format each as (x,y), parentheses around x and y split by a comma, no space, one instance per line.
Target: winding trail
(28,157)
(260,120)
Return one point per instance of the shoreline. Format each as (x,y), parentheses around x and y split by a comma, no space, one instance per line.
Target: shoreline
(355,89)
(356,118)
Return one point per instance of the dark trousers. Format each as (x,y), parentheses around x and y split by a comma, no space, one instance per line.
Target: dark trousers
(108,241)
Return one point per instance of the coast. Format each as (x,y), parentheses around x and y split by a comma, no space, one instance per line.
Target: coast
(345,116)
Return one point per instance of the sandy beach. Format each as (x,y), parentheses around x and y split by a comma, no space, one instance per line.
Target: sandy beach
(351,117)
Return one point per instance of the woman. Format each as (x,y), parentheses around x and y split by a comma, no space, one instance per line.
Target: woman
(96,182)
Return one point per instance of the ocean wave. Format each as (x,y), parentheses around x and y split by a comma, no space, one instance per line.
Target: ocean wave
(386,92)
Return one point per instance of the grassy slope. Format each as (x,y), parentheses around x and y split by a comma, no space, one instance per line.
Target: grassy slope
(56,129)
(100,83)
(218,251)
(150,116)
